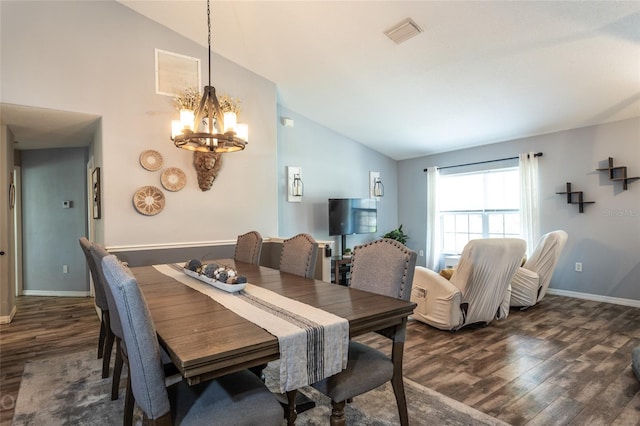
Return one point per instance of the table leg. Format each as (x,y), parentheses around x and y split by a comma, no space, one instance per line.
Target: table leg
(291,413)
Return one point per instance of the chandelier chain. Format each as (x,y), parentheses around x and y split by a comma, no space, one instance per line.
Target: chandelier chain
(209,38)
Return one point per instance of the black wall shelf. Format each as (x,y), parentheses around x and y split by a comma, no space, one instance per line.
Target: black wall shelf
(571,199)
(618,173)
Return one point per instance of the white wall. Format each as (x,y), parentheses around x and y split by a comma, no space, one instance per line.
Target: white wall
(333,166)
(605,238)
(98,57)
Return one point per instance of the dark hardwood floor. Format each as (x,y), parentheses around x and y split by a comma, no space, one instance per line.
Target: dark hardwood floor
(563,362)
(43,327)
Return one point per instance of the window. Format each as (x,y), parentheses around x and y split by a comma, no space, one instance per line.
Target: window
(478,205)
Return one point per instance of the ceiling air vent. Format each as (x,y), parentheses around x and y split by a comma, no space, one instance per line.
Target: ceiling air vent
(403,31)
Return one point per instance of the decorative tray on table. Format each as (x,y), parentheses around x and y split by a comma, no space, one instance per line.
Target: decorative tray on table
(222,277)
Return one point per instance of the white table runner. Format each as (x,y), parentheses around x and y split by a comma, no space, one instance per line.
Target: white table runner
(313,343)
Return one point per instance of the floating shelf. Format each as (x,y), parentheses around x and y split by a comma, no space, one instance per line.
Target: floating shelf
(618,173)
(570,198)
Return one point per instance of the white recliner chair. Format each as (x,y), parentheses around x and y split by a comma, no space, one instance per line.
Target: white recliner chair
(531,281)
(478,290)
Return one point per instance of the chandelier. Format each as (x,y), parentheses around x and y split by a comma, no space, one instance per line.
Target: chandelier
(208,129)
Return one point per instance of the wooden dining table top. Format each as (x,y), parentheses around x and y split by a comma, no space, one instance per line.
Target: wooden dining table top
(206,340)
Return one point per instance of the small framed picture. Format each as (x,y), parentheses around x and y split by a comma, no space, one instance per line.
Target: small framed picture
(95,186)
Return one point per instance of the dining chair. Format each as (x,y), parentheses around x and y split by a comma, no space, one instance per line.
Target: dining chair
(239,398)
(298,255)
(98,253)
(106,337)
(531,281)
(248,248)
(383,267)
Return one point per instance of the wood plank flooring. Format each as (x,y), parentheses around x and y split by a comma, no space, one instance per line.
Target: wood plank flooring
(563,362)
(43,327)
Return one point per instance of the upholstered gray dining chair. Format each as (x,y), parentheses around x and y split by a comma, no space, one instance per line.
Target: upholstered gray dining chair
(105,339)
(248,247)
(384,267)
(98,253)
(298,255)
(239,398)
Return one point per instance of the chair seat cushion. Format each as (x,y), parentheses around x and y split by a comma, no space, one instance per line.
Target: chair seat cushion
(367,369)
(235,399)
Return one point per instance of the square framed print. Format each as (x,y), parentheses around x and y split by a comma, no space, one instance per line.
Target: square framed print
(95,193)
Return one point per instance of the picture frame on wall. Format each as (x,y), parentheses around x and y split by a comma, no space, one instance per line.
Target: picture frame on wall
(95,196)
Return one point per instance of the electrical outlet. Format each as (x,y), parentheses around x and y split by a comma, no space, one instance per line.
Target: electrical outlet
(65,269)
(421,253)
(578,267)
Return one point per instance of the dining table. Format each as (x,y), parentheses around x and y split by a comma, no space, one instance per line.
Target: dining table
(206,340)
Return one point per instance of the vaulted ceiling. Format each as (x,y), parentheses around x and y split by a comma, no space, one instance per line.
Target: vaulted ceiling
(480,72)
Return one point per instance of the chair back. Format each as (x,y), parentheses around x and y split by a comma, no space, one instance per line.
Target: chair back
(98,288)
(545,257)
(384,267)
(298,255)
(145,365)
(248,248)
(483,275)
(98,253)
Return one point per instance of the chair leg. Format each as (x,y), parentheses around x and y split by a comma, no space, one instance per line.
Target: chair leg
(128,405)
(108,347)
(398,390)
(103,333)
(117,372)
(397,382)
(337,414)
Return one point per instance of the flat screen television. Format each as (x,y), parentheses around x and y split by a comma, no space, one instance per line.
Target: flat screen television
(349,216)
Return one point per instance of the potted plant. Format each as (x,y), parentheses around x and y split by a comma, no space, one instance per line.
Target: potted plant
(398,235)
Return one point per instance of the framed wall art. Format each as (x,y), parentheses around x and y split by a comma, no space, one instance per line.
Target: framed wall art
(95,193)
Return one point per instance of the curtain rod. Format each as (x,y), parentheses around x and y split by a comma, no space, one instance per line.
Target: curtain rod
(537,154)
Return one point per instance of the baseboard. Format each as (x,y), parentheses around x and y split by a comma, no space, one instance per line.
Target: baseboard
(56,293)
(6,319)
(595,297)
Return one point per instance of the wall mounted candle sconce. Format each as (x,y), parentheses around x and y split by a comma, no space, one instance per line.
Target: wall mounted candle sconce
(295,187)
(376,188)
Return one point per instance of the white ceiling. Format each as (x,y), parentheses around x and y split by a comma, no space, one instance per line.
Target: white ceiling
(41,128)
(481,72)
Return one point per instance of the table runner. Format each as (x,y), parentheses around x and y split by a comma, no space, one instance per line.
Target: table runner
(313,343)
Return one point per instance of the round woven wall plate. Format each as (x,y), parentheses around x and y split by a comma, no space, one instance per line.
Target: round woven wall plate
(173,179)
(151,160)
(148,200)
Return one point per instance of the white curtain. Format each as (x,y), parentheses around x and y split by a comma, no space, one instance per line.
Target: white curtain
(433,219)
(529,204)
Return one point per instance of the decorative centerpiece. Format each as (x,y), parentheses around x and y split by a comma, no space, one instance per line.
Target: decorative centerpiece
(220,276)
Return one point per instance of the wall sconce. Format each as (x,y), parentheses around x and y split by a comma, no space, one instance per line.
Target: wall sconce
(376,188)
(295,187)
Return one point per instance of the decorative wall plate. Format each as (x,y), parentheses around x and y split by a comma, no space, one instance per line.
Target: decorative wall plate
(151,160)
(173,179)
(148,200)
